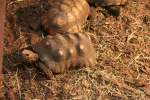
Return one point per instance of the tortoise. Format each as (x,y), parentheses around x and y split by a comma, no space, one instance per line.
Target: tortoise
(65,15)
(70,15)
(65,47)
(61,52)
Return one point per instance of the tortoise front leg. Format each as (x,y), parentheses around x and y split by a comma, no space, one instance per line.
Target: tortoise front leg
(47,71)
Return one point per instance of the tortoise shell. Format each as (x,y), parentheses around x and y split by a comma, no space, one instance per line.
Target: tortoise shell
(62,52)
(65,16)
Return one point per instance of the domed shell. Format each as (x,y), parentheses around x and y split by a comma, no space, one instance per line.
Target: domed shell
(62,52)
(65,16)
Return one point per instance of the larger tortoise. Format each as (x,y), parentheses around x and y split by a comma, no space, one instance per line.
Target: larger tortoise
(65,47)
(70,15)
(65,15)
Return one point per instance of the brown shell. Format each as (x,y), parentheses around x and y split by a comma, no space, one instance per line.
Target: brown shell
(65,15)
(61,52)
(108,2)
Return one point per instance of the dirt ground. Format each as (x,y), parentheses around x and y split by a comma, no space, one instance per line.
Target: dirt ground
(123,54)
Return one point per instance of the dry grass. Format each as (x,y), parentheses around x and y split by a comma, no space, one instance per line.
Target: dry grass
(123,54)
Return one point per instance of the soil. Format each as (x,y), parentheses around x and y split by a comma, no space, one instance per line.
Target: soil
(123,54)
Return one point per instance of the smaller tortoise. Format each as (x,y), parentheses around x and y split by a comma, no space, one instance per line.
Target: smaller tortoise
(61,52)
